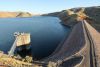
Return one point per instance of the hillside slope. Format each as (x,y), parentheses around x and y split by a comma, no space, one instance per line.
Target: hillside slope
(72,16)
(14,14)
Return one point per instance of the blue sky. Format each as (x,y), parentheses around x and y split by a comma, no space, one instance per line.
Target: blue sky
(44,6)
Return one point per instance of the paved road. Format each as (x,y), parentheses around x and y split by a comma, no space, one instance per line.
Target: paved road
(96,38)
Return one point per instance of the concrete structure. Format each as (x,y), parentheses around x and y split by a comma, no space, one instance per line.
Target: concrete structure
(21,39)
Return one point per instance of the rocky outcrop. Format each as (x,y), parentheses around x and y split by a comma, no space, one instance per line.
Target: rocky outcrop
(13,61)
(14,14)
(72,16)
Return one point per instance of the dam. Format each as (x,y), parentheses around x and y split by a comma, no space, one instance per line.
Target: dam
(80,49)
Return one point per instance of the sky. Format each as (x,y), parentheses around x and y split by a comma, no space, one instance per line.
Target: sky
(44,6)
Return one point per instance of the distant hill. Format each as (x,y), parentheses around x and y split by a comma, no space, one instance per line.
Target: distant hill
(14,14)
(71,16)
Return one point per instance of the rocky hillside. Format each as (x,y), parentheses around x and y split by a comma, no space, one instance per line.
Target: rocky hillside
(14,14)
(72,16)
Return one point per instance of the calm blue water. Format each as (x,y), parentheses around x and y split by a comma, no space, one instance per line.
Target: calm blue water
(46,33)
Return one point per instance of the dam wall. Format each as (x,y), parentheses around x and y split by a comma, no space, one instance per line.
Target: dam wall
(74,51)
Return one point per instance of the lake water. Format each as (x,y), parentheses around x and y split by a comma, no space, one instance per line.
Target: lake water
(46,33)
